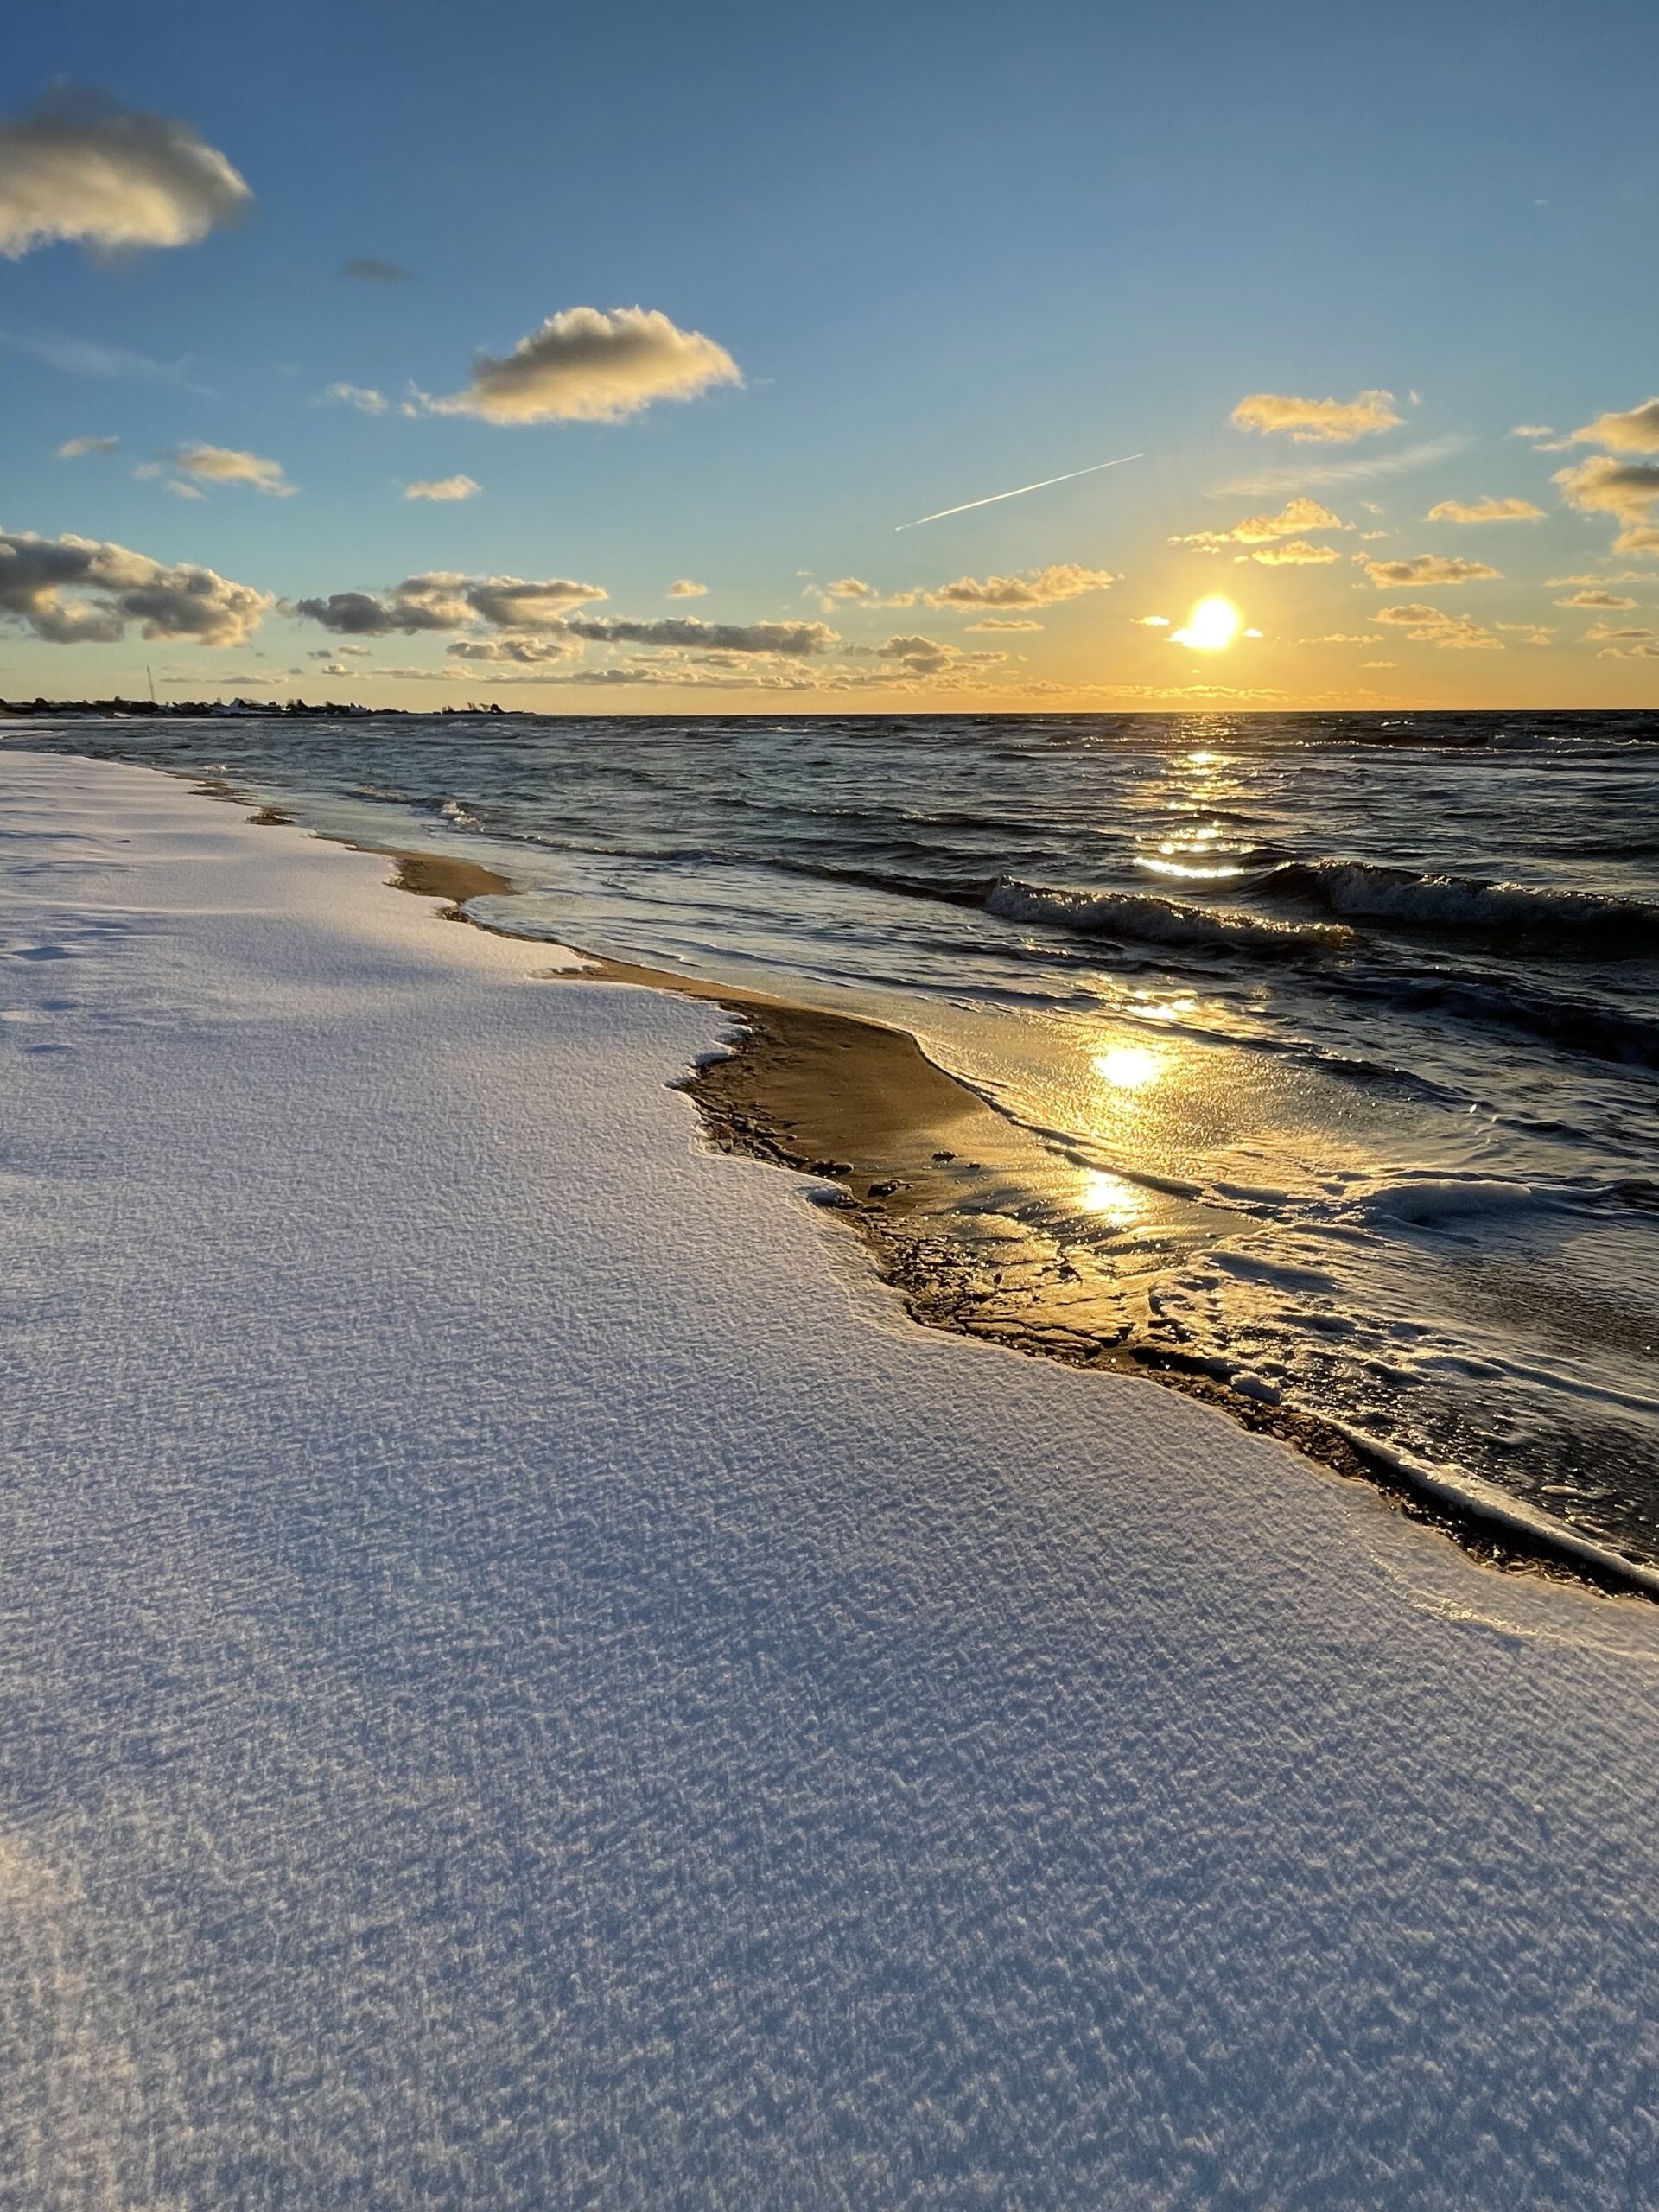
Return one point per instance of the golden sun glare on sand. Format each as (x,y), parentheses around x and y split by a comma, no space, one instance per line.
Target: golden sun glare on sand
(1211,628)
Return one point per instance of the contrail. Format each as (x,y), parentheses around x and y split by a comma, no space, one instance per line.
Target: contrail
(1020,490)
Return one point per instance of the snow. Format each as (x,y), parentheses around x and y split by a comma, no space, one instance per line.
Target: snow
(525,1680)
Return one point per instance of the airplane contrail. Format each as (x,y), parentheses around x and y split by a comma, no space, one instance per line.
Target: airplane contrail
(1019,490)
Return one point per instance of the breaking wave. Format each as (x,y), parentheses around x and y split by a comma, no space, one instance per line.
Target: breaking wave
(1368,891)
(1161,921)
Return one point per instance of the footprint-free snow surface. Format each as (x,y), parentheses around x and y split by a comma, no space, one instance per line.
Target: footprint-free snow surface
(525,1682)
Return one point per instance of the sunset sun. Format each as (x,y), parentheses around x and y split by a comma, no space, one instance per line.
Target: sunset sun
(1211,628)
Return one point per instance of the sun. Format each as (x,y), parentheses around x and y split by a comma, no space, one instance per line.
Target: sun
(1211,628)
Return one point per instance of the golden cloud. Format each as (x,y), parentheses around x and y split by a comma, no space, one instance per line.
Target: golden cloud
(1317,421)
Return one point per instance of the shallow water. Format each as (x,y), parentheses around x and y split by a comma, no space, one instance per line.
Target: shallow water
(1344,1031)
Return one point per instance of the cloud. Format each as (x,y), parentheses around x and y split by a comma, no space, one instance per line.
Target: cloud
(1530,633)
(1011,622)
(80,168)
(522,653)
(181,491)
(685,587)
(1637,430)
(1378,663)
(1426,568)
(1339,638)
(1268,483)
(1533,430)
(1321,422)
(1486,510)
(1629,653)
(111,588)
(1151,621)
(1298,514)
(443,601)
(1037,587)
(1606,599)
(1624,489)
(443,489)
(341,652)
(363,396)
(919,656)
(360,615)
(794,641)
(225,464)
(1602,633)
(74,448)
(585,367)
(1298,553)
(368,270)
(1432,625)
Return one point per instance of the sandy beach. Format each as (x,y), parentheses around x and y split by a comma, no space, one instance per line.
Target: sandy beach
(527,1679)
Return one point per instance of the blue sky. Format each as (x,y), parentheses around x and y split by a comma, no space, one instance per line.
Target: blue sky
(949,249)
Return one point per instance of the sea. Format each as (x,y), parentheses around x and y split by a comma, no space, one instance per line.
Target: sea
(1342,1031)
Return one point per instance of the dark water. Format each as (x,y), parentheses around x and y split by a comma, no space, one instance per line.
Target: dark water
(1344,1030)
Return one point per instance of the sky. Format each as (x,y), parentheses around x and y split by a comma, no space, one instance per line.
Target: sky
(591,361)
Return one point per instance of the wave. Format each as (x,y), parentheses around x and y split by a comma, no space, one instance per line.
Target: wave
(1368,890)
(1161,921)
(1602,1031)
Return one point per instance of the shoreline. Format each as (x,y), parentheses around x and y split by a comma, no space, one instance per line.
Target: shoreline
(920,1158)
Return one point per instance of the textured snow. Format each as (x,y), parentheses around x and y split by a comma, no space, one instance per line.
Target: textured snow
(524,1681)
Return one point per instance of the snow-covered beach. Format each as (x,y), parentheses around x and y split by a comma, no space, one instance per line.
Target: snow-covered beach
(525,1680)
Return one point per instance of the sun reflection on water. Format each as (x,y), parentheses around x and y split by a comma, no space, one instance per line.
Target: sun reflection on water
(1130,1067)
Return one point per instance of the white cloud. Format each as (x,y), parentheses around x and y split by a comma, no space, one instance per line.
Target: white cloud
(1605,599)
(225,465)
(1486,510)
(1432,625)
(1624,489)
(1533,430)
(80,168)
(586,366)
(1426,568)
(1323,421)
(1037,587)
(442,600)
(1004,622)
(793,640)
(686,588)
(1298,553)
(1530,633)
(1297,515)
(77,591)
(181,491)
(1151,621)
(363,396)
(523,652)
(75,449)
(1637,430)
(443,489)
